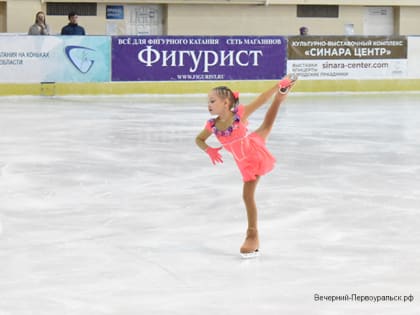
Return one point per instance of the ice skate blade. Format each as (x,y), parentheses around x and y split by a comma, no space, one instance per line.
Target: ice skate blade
(250,255)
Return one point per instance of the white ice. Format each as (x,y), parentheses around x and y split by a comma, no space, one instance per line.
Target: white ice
(108,207)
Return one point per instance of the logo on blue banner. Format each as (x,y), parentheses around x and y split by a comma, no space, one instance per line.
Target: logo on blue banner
(81,57)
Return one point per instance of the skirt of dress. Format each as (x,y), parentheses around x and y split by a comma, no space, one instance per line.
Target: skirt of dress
(252,156)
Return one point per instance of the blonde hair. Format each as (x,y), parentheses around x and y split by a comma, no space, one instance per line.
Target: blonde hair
(226,93)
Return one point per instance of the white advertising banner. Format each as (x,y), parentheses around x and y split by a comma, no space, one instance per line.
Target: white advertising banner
(413,57)
(331,58)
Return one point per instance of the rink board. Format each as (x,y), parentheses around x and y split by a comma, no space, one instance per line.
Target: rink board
(197,87)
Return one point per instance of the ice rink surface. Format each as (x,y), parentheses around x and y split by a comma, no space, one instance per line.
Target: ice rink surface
(108,207)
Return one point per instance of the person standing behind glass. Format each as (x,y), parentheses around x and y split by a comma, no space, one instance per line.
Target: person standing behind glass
(303,31)
(73,28)
(40,27)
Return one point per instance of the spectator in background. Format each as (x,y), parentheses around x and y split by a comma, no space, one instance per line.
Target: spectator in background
(303,31)
(40,27)
(73,28)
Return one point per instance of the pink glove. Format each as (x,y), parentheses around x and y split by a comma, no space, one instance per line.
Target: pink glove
(285,83)
(214,155)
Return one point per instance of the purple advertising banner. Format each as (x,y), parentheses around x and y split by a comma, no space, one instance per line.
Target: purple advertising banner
(193,58)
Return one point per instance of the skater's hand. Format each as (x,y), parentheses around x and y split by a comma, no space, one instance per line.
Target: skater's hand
(286,83)
(214,155)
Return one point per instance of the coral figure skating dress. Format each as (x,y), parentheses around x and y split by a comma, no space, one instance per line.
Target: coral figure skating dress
(248,150)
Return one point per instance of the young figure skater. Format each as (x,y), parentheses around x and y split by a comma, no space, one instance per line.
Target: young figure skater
(248,150)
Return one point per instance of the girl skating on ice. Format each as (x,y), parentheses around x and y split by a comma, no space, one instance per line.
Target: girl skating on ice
(248,150)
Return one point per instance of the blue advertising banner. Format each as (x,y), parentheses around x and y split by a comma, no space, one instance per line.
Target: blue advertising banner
(189,58)
(55,59)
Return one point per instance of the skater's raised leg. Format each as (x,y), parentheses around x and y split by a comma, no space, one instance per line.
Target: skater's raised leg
(270,117)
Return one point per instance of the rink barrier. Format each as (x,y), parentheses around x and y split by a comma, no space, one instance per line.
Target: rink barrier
(92,65)
(198,87)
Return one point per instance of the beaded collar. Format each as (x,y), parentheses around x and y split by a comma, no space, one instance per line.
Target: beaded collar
(228,131)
